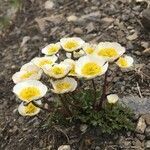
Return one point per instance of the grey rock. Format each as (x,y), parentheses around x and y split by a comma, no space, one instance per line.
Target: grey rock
(137,104)
(141,137)
(141,125)
(64,147)
(78,30)
(146,52)
(97,148)
(90,27)
(132,37)
(147,145)
(147,133)
(146,118)
(137,143)
(146,19)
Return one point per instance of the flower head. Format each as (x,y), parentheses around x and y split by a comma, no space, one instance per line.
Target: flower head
(29,110)
(30,90)
(57,70)
(110,51)
(42,61)
(89,48)
(112,98)
(64,85)
(51,49)
(71,44)
(125,62)
(90,66)
(28,71)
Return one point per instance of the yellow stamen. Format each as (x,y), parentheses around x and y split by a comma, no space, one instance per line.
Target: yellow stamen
(89,50)
(27,74)
(122,62)
(63,86)
(108,52)
(91,69)
(30,108)
(57,70)
(53,49)
(28,93)
(71,44)
(44,62)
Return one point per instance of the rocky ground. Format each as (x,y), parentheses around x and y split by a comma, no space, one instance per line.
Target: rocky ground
(38,23)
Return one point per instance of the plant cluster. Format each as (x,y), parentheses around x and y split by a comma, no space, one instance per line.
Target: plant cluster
(66,68)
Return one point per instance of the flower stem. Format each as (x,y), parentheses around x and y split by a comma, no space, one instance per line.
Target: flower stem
(94,87)
(65,105)
(39,106)
(104,91)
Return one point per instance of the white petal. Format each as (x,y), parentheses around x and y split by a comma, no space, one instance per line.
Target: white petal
(30,83)
(112,98)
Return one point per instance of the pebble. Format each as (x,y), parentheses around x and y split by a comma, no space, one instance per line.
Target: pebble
(72,18)
(147,133)
(90,27)
(83,127)
(141,137)
(64,147)
(78,30)
(146,118)
(144,44)
(132,37)
(146,52)
(147,145)
(49,5)
(141,126)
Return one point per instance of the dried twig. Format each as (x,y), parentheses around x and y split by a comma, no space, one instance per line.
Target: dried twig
(139,90)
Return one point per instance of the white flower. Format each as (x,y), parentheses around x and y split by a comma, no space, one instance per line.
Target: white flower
(64,85)
(112,98)
(57,70)
(125,62)
(28,71)
(89,48)
(42,61)
(90,66)
(110,51)
(51,49)
(71,44)
(30,90)
(72,63)
(30,109)
(26,75)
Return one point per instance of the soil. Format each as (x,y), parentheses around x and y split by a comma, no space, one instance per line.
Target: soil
(96,20)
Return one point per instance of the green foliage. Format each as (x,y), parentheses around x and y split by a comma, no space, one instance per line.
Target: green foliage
(4,22)
(16,3)
(110,119)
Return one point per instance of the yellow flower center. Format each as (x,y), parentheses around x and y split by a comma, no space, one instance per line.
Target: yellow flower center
(89,50)
(63,86)
(29,93)
(30,108)
(57,70)
(71,44)
(108,52)
(28,74)
(90,69)
(122,62)
(53,49)
(44,62)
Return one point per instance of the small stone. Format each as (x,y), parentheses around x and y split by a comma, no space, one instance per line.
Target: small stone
(78,30)
(146,18)
(146,117)
(72,18)
(147,145)
(49,5)
(146,52)
(132,37)
(64,147)
(25,40)
(90,27)
(97,148)
(147,133)
(83,127)
(141,137)
(141,126)
(144,44)
(137,143)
